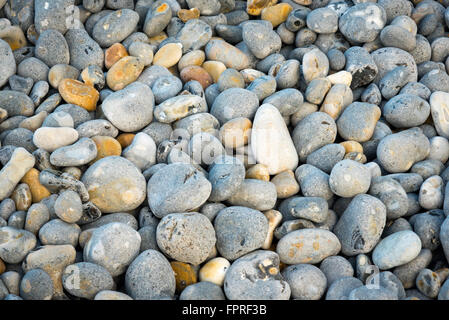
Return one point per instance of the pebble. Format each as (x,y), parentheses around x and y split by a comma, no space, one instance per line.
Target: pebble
(8,65)
(15,244)
(136,101)
(399,151)
(124,72)
(256,276)
(76,92)
(36,284)
(363,22)
(193,240)
(192,189)
(307,246)
(122,187)
(306,281)
(115,27)
(249,228)
(14,170)
(113,246)
(58,232)
(150,277)
(68,206)
(397,249)
(142,151)
(202,291)
(77,154)
(269,130)
(86,280)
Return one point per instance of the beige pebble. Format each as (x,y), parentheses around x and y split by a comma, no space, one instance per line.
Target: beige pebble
(249,75)
(124,72)
(215,271)
(342,77)
(274,220)
(339,97)
(214,68)
(259,172)
(286,184)
(235,133)
(352,146)
(168,55)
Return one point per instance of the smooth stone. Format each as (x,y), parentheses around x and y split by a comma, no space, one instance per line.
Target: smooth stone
(142,151)
(226,175)
(177,187)
(94,279)
(77,154)
(306,281)
(399,151)
(349,178)
(307,246)
(58,232)
(360,227)
(121,187)
(7,64)
(15,244)
(256,276)
(194,238)
(15,169)
(397,249)
(439,106)
(255,194)
(131,108)
(239,231)
(52,138)
(269,131)
(113,246)
(150,277)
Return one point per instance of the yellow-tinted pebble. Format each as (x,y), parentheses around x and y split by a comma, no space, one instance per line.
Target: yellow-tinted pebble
(76,92)
(38,191)
(215,271)
(113,54)
(186,15)
(276,14)
(22,197)
(185,275)
(274,219)
(124,72)
(258,171)
(14,36)
(352,146)
(214,68)
(106,147)
(125,139)
(286,184)
(356,156)
(192,58)
(235,133)
(255,7)
(168,55)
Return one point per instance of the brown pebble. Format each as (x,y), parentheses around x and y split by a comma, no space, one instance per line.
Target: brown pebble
(38,191)
(124,72)
(22,197)
(196,73)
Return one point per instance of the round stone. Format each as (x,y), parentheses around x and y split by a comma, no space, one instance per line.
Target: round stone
(186,237)
(113,246)
(115,185)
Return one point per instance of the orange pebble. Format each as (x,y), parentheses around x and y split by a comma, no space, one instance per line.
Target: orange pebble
(76,92)
(106,147)
(38,191)
(113,54)
(125,139)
